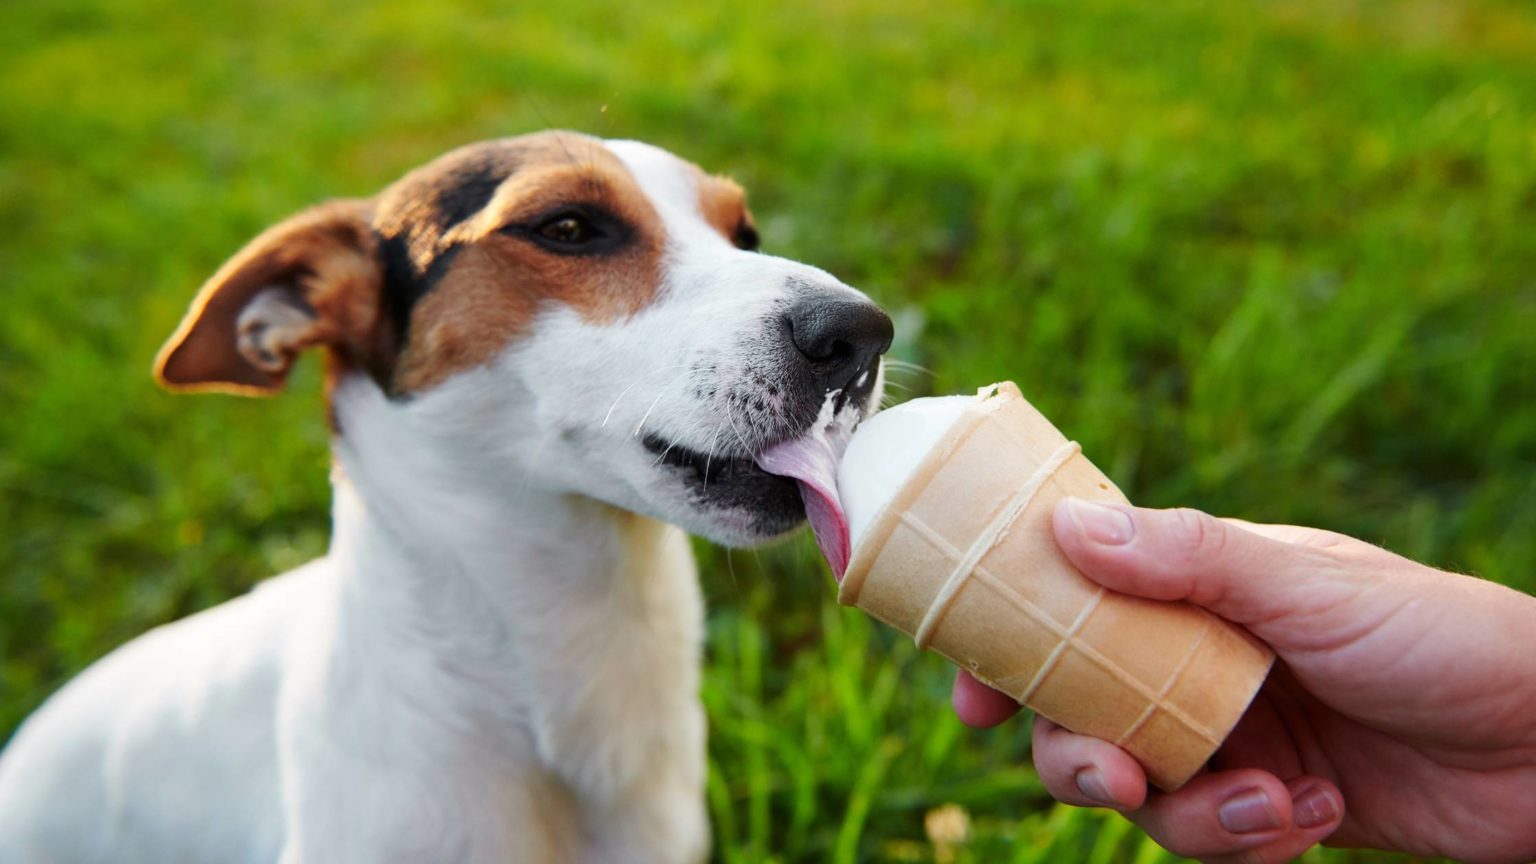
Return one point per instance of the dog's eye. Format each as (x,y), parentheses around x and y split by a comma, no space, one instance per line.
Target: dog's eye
(567,229)
(746,237)
(575,229)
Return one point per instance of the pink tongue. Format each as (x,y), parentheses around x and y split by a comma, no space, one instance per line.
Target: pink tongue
(812,462)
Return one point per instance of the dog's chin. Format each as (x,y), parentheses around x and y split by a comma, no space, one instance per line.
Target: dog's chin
(725,498)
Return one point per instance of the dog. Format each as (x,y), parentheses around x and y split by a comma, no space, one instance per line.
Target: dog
(547,357)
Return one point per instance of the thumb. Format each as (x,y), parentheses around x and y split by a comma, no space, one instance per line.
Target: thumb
(1189,555)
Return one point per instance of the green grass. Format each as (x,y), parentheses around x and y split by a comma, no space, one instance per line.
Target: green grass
(1271,259)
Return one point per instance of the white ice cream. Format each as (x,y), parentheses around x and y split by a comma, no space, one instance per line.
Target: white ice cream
(885,450)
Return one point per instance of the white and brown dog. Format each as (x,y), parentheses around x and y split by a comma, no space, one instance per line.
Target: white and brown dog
(544,353)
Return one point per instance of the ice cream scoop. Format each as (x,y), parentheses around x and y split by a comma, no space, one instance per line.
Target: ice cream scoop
(885,451)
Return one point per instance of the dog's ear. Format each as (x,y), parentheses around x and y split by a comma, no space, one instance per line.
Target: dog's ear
(314,279)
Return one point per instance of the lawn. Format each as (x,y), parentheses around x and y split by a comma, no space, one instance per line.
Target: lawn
(1270,259)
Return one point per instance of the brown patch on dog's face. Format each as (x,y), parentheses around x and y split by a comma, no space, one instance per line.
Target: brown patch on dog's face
(724,206)
(477,242)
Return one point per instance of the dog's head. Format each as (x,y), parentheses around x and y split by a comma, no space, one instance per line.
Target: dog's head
(557,311)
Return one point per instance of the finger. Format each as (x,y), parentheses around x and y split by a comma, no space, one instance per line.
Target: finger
(1245,815)
(1311,826)
(1297,534)
(1189,555)
(1086,771)
(978,705)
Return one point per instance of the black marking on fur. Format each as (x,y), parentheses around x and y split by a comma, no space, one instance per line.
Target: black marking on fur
(415,213)
(401,286)
(466,189)
(404,287)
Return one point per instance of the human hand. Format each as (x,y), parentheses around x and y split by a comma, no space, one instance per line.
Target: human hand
(1401,713)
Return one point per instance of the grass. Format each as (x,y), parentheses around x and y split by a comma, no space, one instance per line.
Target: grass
(1271,259)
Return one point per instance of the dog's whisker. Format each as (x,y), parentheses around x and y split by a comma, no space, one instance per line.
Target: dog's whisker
(632,385)
(735,430)
(692,412)
(663,392)
(647,415)
(710,456)
(730,563)
(894,365)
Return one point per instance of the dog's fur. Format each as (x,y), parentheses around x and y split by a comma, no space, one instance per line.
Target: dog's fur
(543,354)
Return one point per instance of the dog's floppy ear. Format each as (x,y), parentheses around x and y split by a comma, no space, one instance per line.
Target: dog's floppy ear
(314,279)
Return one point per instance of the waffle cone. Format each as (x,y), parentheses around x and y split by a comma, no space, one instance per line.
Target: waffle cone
(963,559)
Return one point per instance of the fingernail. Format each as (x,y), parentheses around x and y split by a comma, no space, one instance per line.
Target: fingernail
(1247,812)
(1314,806)
(1101,523)
(1090,782)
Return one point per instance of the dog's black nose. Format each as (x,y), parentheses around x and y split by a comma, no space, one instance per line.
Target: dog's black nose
(840,337)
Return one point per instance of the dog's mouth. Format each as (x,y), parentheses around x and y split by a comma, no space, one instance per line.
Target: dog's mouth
(786,481)
(732,487)
(715,469)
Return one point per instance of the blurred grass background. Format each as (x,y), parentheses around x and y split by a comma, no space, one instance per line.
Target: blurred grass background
(1270,259)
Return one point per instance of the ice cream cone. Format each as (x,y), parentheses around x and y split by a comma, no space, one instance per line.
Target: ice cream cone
(964,560)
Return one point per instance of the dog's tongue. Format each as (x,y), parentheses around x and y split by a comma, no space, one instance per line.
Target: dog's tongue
(812,461)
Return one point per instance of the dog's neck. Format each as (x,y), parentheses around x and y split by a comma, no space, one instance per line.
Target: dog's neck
(524,611)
